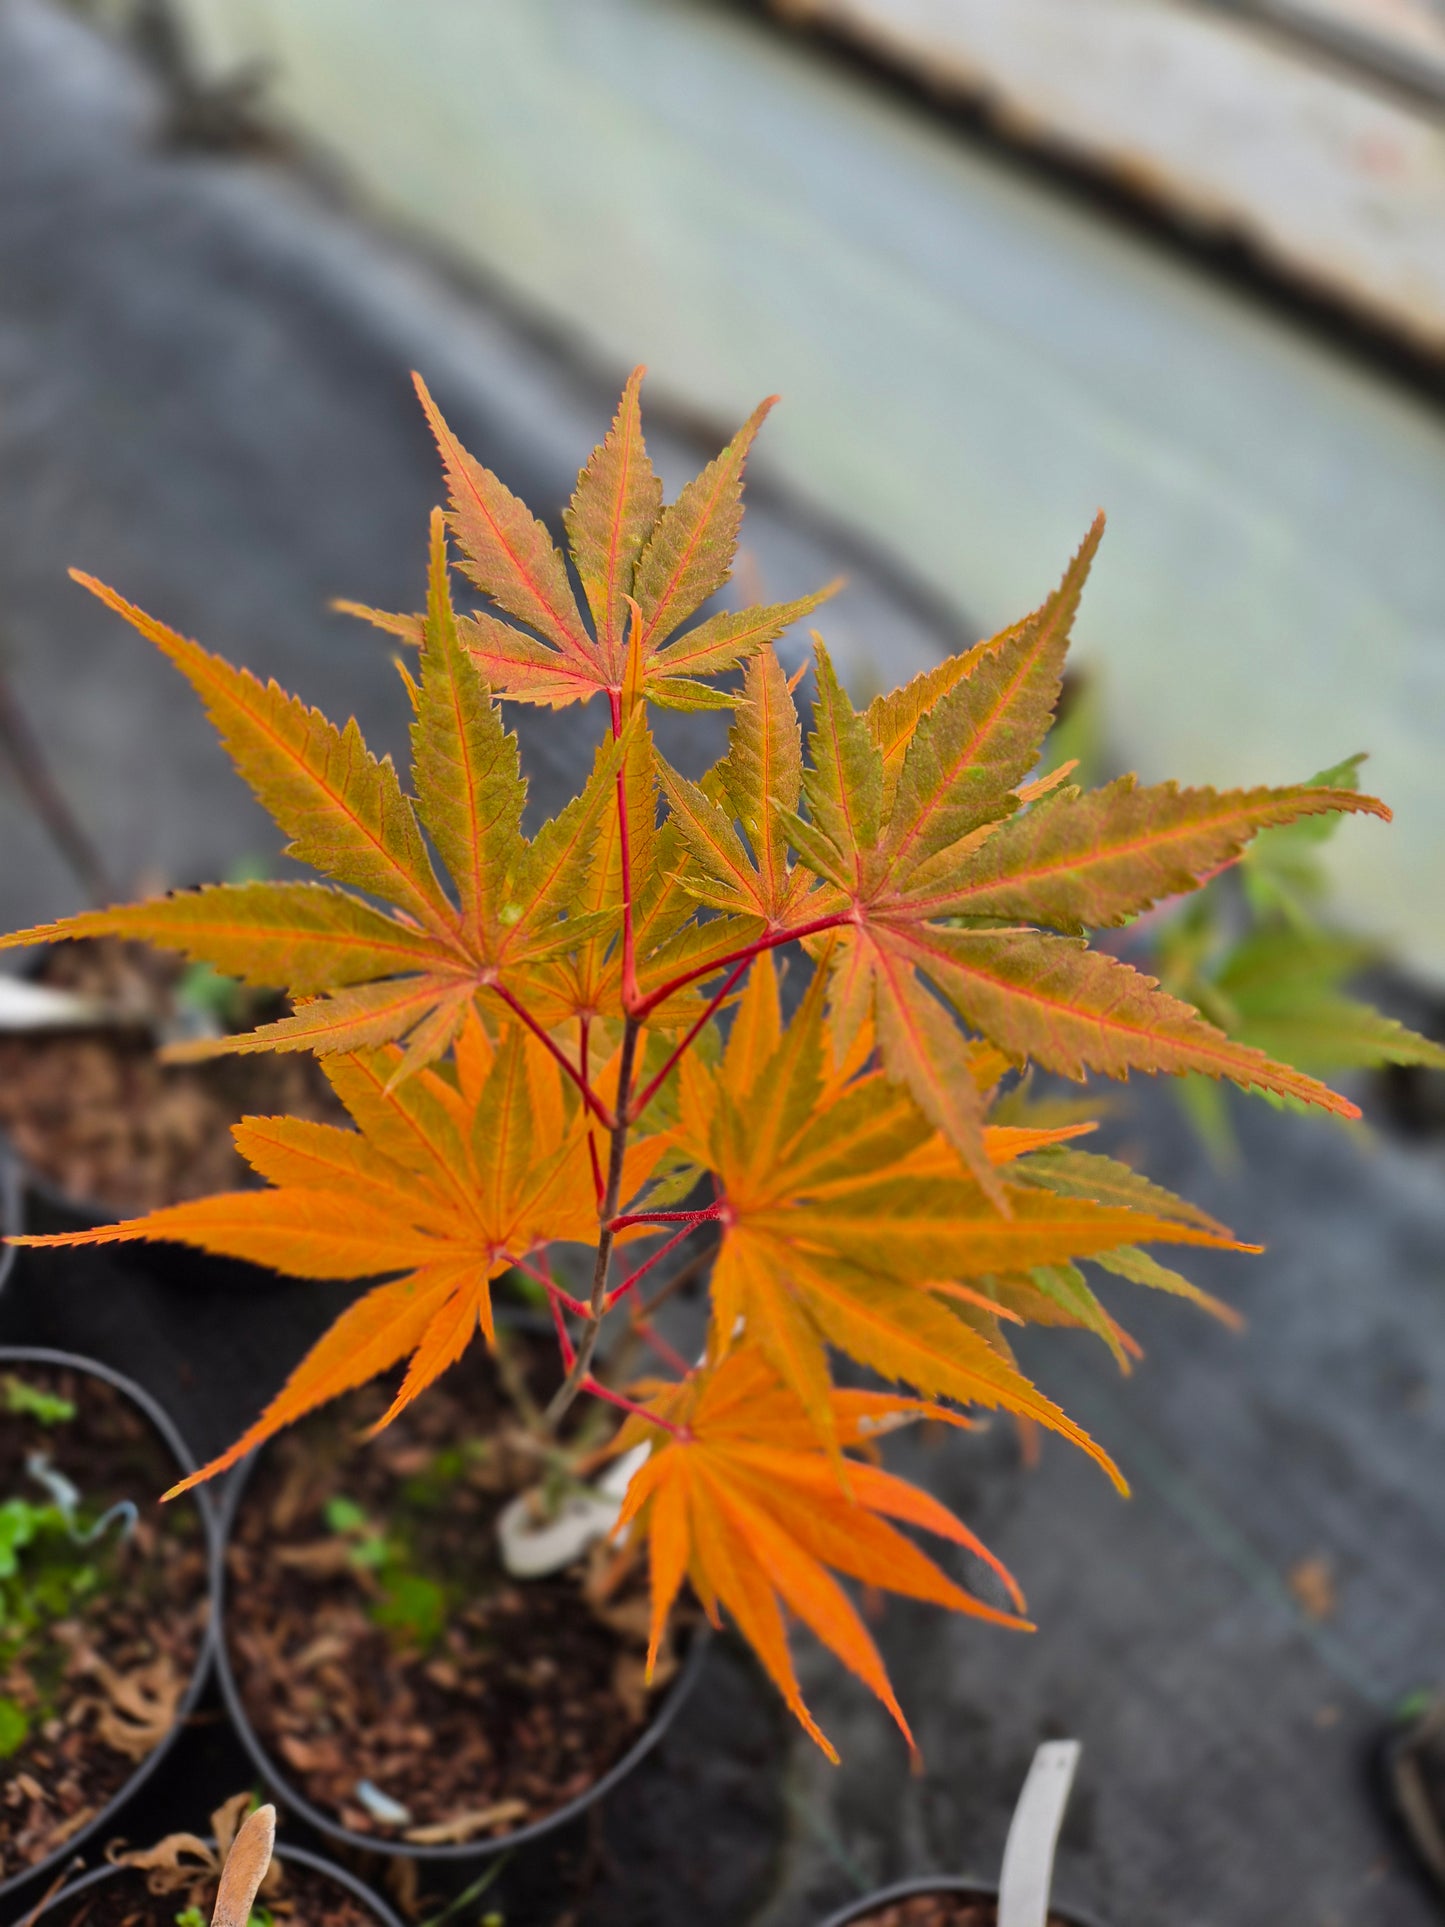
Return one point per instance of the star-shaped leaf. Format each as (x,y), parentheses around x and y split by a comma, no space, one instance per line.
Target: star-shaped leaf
(629,552)
(740,1499)
(364,976)
(847,1218)
(444,1184)
(959,890)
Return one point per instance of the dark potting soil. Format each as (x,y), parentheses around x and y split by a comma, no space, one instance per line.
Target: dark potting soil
(88,1695)
(96,1112)
(938,1910)
(513,1700)
(300,1897)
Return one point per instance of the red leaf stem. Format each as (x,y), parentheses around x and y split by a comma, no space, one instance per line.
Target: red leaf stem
(744,956)
(645,1097)
(633,1278)
(625,1404)
(589,1097)
(688,1218)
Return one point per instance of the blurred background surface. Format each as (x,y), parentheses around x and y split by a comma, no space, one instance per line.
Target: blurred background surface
(1005,263)
(972,357)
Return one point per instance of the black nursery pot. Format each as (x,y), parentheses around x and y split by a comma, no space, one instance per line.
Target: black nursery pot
(859,1910)
(55,1912)
(105,1818)
(48,1210)
(45,1206)
(51,1208)
(465,1853)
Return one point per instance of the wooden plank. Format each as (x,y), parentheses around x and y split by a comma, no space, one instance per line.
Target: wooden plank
(1216,118)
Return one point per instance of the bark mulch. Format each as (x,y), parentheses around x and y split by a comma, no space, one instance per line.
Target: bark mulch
(98,1115)
(99,1687)
(503,1701)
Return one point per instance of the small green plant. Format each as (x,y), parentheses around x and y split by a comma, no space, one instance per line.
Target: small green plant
(14,1728)
(44,1576)
(1255,953)
(53,1558)
(411,1605)
(29,1401)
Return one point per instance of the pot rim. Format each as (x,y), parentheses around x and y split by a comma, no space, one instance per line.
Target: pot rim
(939,1883)
(97,1876)
(462,1851)
(165,1425)
(12,1207)
(89,1213)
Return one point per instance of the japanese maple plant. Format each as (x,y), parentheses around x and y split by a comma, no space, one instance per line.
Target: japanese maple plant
(580,1038)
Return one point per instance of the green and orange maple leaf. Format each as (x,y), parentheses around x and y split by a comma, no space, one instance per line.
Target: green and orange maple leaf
(362,975)
(643,568)
(957,891)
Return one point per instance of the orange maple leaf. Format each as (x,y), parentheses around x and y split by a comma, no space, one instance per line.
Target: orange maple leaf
(740,1498)
(848,1220)
(446,1184)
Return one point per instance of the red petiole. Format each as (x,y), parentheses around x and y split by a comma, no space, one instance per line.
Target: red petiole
(589,1096)
(744,957)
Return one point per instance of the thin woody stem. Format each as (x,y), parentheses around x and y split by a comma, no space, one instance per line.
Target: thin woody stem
(589,1096)
(579,1370)
(584,1028)
(607,1235)
(645,1096)
(743,956)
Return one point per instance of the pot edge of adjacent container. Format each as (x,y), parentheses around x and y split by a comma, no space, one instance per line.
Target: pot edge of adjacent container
(938,1883)
(97,1876)
(165,1425)
(12,1207)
